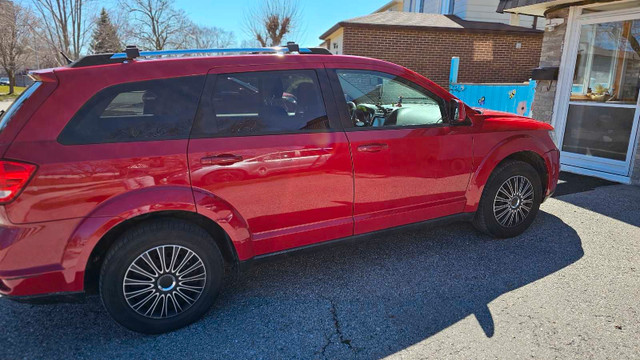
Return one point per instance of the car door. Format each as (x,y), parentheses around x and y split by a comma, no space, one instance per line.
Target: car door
(266,142)
(410,165)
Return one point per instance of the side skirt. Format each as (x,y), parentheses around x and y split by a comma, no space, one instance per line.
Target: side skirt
(247,264)
(47,299)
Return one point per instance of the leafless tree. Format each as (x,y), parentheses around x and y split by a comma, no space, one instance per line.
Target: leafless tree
(270,22)
(122,23)
(203,37)
(13,38)
(250,43)
(65,25)
(157,23)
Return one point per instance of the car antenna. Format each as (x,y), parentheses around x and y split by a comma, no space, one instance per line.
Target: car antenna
(66,57)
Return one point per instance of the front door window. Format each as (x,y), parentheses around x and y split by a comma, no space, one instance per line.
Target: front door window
(382,101)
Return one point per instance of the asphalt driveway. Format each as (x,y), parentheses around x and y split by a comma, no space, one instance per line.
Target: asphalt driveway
(567,288)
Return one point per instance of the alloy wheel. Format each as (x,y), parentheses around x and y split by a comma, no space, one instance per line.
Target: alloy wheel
(164,281)
(513,201)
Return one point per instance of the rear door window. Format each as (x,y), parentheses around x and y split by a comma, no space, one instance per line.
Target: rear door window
(259,103)
(140,111)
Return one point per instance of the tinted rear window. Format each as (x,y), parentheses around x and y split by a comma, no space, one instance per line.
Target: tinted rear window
(257,103)
(139,111)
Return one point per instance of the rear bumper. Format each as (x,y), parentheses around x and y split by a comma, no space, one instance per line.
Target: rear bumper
(32,257)
(39,284)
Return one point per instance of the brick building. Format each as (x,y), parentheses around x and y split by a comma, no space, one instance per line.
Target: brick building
(489,52)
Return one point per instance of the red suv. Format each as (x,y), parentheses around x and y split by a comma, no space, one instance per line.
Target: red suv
(147,180)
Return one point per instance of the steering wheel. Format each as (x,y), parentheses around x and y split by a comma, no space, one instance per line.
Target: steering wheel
(352,111)
(358,116)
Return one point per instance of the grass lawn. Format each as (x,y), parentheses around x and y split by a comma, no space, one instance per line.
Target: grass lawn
(4,90)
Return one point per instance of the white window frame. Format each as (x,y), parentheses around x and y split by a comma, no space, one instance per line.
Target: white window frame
(615,170)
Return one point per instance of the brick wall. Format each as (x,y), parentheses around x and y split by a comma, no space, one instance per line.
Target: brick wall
(484,56)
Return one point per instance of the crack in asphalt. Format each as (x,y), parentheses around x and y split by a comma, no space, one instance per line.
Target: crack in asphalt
(324,348)
(337,331)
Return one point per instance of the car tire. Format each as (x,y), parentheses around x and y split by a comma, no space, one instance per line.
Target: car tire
(183,287)
(510,200)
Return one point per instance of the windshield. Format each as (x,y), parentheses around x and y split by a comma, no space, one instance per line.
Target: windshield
(5,116)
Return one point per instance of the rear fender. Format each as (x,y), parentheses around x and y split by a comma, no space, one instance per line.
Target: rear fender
(118,209)
(141,202)
(228,218)
(498,153)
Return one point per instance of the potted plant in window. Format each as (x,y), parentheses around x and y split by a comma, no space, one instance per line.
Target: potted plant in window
(600,93)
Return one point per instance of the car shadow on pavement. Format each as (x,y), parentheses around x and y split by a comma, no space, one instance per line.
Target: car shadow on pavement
(573,183)
(620,202)
(366,300)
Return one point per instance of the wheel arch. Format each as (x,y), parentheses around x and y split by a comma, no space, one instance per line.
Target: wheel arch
(523,148)
(217,233)
(534,159)
(93,236)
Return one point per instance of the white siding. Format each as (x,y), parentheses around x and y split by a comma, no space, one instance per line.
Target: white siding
(460,8)
(336,45)
(432,6)
(472,10)
(485,10)
(336,42)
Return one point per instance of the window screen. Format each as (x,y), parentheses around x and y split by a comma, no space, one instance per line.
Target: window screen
(256,103)
(139,111)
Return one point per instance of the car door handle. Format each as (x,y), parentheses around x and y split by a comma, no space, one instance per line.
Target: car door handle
(223,159)
(372,147)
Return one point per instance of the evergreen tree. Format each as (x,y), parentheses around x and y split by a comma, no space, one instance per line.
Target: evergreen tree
(105,37)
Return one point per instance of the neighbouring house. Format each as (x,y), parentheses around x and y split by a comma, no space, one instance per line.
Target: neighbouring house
(406,34)
(593,104)
(472,10)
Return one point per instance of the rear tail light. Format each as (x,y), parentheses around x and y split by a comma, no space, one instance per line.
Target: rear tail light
(14,176)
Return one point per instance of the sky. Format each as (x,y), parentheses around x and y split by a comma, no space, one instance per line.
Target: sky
(318,16)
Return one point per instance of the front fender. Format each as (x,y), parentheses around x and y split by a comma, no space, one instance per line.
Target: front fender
(494,156)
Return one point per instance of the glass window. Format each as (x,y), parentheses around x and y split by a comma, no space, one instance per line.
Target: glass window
(608,63)
(598,131)
(380,100)
(5,116)
(256,103)
(140,111)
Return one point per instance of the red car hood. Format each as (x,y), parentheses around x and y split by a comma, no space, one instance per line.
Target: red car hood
(503,121)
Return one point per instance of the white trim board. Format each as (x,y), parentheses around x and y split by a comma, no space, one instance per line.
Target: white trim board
(598,174)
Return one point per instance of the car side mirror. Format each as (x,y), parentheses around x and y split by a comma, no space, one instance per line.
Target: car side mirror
(457,112)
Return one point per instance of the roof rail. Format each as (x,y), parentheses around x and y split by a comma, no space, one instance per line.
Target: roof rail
(132,52)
